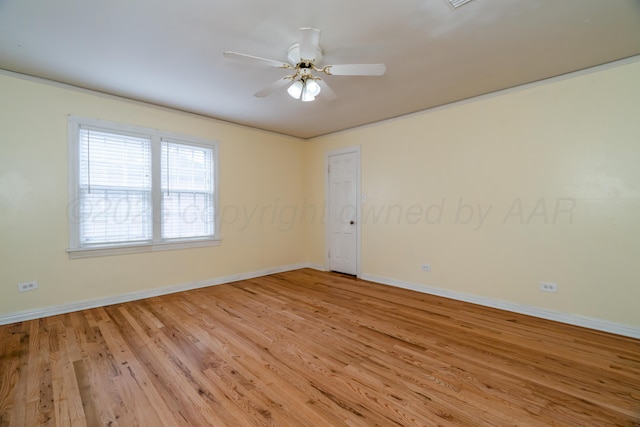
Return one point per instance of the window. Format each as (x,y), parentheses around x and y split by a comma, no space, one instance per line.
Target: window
(187,190)
(134,189)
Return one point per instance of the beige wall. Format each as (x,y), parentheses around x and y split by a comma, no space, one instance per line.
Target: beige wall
(496,194)
(500,193)
(258,176)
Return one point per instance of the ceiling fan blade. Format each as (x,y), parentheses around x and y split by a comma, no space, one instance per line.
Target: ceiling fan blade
(356,70)
(256,59)
(309,42)
(326,92)
(273,87)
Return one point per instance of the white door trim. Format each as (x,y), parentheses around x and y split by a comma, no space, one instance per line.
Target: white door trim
(347,150)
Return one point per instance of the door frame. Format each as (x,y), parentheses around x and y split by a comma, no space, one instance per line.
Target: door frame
(347,150)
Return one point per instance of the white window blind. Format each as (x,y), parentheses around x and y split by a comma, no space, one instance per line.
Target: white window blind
(135,189)
(187,190)
(115,203)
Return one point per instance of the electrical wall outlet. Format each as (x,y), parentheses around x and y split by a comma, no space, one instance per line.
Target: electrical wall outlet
(548,287)
(28,286)
(425,267)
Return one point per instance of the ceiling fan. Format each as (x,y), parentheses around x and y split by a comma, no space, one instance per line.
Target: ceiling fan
(304,58)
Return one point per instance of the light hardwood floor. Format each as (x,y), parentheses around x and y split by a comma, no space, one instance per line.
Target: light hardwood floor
(307,348)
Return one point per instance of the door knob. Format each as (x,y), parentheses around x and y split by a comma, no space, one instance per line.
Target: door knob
(352,222)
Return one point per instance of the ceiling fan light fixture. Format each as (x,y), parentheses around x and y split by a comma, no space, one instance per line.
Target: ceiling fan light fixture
(305,89)
(296,89)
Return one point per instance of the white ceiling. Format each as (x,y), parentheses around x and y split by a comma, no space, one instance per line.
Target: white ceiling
(170,52)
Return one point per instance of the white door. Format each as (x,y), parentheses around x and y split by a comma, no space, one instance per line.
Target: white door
(342,227)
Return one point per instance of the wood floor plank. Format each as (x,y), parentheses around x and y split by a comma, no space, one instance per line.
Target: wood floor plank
(146,403)
(18,409)
(67,400)
(308,348)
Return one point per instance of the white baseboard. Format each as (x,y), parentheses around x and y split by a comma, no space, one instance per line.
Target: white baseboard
(132,296)
(587,322)
(571,319)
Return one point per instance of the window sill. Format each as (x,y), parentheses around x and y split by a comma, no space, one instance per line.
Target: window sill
(98,251)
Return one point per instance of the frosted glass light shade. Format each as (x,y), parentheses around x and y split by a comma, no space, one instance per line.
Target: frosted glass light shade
(296,89)
(312,88)
(306,96)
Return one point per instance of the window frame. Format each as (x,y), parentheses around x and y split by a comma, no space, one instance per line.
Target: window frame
(75,249)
